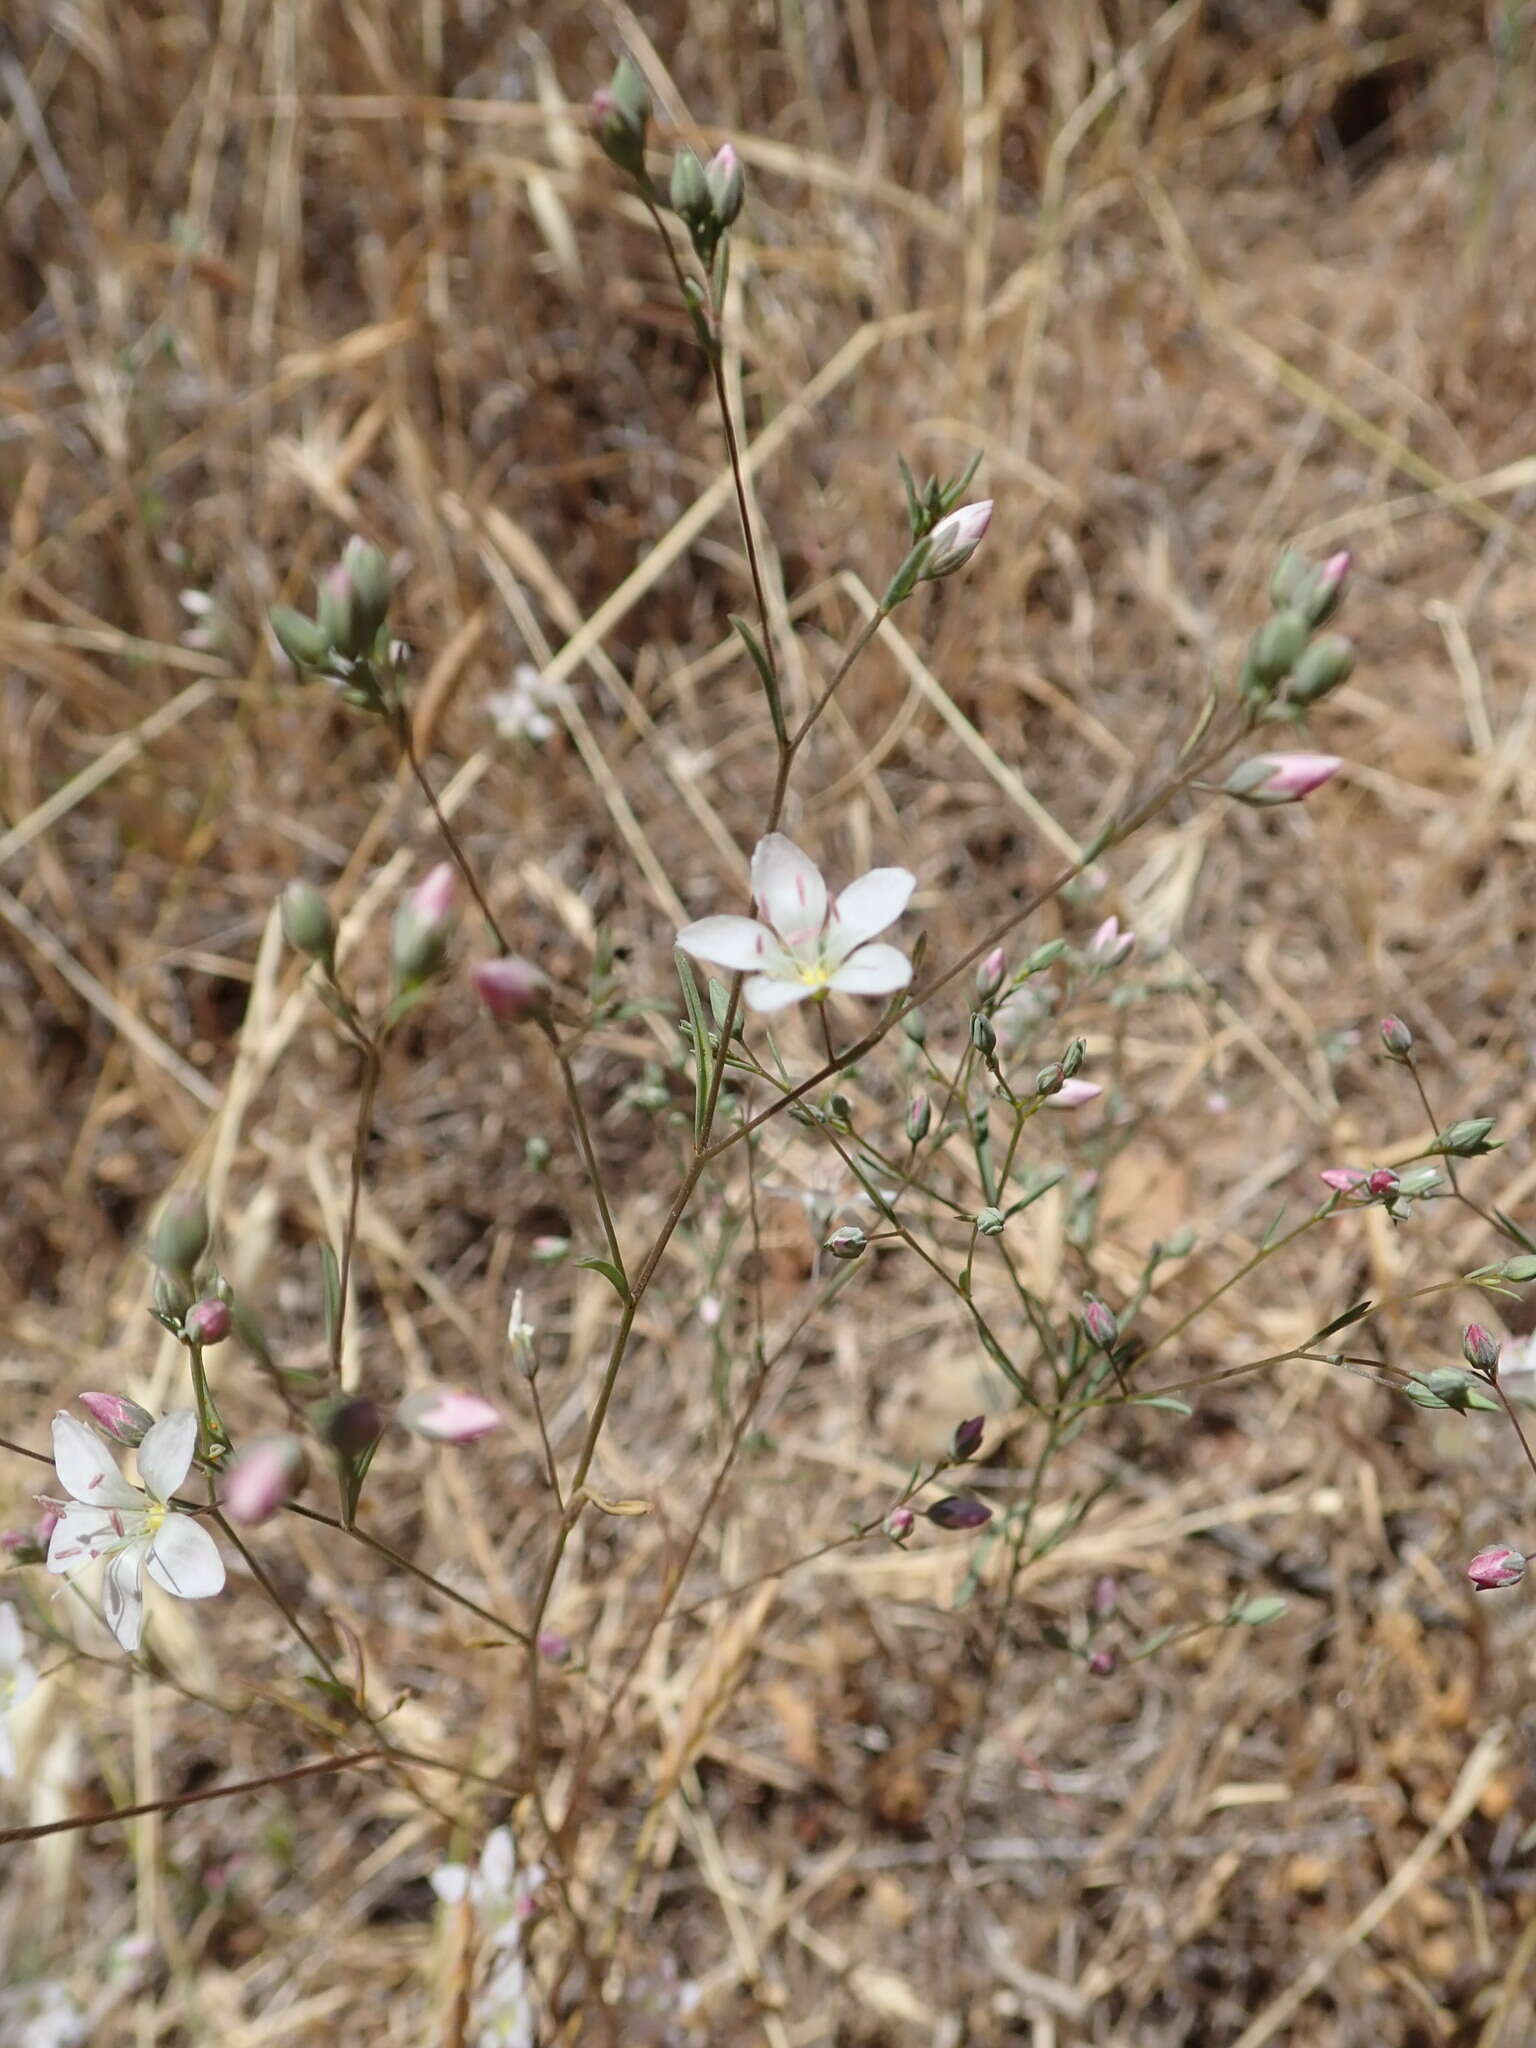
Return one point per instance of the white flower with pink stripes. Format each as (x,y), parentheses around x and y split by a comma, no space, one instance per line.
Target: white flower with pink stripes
(802,945)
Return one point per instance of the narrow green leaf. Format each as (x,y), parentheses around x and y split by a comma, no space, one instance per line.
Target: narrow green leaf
(1350,1315)
(765,674)
(1171,1402)
(698,1025)
(610,1273)
(330,1281)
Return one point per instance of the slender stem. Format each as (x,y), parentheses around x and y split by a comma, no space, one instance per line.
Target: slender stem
(96,1820)
(588,1150)
(397,1557)
(551,1469)
(368,1088)
(450,838)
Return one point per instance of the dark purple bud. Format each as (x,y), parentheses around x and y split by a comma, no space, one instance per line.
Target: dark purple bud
(1103,1663)
(966,1441)
(353,1426)
(957,1511)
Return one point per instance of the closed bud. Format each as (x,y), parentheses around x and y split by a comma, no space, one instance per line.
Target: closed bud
(847,1243)
(1382,1181)
(262,1479)
(1291,572)
(368,575)
(1280,778)
(124,1421)
(522,1339)
(1044,956)
(512,989)
(990,1222)
(171,1294)
(1049,1080)
(1109,944)
(1099,1321)
(966,1441)
(1106,1597)
(333,610)
(207,1322)
(1497,1566)
(444,1415)
(1072,1059)
(1396,1037)
(305,643)
(727,184)
(958,1511)
(919,1117)
(1103,1662)
(1278,646)
(351,1425)
(915,1025)
(1326,664)
(180,1235)
(1480,1348)
(689,191)
(955,539)
(421,928)
(1321,594)
(307,922)
(899,1524)
(983,1035)
(1468,1139)
(621,112)
(990,974)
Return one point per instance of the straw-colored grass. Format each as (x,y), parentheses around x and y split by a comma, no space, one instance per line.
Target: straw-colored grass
(1195,279)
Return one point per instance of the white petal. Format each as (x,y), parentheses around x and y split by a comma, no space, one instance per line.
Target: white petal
(23,1683)
(740,943)
(165,1456)
(451,1883)
(83,1533)
(86,1468)
(7,1752)
(767,992)
(121,1601)
(10,1638)
(873,971)
(788,890)
(867,906)
(185,1559)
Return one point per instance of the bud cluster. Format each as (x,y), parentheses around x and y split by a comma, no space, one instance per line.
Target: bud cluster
(348,632)
(1287,655)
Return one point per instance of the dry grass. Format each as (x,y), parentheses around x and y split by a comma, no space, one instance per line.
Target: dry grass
(1196,279)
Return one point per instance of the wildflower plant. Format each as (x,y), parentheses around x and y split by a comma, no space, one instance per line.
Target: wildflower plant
(908,1077)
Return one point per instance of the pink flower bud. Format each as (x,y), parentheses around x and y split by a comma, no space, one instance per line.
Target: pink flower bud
(1382,1181)
(513,990)
(1099,1321)
(1480,1348)
(919,1117)
(1106,1597)
(207,1322)
(262,1478)
(553,1647)
(1497,1566)
(1103,1663)
(443,1415)
(1073,1094)
(1281,778)
(899,1524)
(956,538)
(1344,1180)
(422,923)
(1396,1037)
(1109,944)
(989,975)
(124,1421)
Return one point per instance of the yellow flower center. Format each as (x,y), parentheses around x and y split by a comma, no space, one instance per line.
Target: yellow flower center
(154,1516)
(816,976)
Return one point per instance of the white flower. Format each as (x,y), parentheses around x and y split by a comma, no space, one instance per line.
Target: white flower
(17,1678)
(503,2014)
(41,2015)
(801,945)
(521,711)
(500,1894)
(134,1528)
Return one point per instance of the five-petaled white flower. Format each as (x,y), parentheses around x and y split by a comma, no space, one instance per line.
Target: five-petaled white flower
(800,944)
(500,1894)
(17,1678)
(135,1528)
